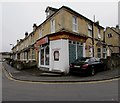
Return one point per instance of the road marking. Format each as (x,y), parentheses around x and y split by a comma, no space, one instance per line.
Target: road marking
(10,77)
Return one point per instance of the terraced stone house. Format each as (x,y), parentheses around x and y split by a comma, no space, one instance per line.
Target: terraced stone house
(64,36)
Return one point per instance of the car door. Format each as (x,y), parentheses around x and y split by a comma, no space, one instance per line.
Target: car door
(94,64)
(98,65)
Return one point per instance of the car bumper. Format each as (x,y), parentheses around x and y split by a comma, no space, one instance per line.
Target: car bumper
(79,71)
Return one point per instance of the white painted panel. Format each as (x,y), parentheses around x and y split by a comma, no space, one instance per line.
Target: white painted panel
(84,51)
(63,63)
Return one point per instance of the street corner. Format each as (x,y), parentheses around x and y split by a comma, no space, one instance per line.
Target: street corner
(36,75)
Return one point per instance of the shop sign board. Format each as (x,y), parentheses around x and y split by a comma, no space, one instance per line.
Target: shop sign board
(42,41)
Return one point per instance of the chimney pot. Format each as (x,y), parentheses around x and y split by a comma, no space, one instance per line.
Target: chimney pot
(17,41)
(26,34)
(117,26)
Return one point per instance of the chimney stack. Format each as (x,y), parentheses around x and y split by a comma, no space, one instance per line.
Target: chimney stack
(34,27)
(117,28)
(20,40)
(97,22)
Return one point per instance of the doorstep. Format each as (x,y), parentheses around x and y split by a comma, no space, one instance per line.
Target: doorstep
(50,74)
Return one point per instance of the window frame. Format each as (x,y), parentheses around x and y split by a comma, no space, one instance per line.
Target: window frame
(99,52)
(75,24)
(90,29)
(109,35)
(53,25)
(99,33)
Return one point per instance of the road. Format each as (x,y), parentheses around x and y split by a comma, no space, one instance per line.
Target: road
(24,91)
(0,82)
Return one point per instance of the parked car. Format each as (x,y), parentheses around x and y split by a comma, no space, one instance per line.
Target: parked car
(87,65)
(2,60)
(9,61)
(24,64)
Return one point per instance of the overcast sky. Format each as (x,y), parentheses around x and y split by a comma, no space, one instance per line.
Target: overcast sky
(18,18)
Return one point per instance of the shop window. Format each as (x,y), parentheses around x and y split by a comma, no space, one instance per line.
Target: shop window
(70,42)
(81,44)
(72,53)
(74,42)
(78,43)
(75,51)
(42,56)
(79,51)
(47,55)
(75,24)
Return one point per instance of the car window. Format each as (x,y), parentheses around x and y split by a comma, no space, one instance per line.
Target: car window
(86,60)
(91,60)
(81,60)
(97,59)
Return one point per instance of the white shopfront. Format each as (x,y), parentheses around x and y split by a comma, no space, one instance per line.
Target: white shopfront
(56,54)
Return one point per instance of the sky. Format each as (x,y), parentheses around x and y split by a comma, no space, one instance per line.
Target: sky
(18,17)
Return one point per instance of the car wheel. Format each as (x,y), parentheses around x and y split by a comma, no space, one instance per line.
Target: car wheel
(93,72)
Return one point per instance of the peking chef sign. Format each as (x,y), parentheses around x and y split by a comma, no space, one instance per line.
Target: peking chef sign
(41,42)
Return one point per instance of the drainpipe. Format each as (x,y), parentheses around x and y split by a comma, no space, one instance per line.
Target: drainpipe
(93,38)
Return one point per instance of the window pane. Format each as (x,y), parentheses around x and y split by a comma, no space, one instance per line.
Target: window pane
(99,53)
(79,51)
(89,26)
(72,53)
(75,25)
(42,56)
(98,50)
(47,56)
(52,26)
(89,32)
(40,33)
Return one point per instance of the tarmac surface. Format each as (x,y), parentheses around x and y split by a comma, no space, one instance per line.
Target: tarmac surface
(35,75)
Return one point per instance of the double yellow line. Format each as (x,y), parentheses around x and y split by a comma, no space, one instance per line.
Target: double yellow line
(10,77)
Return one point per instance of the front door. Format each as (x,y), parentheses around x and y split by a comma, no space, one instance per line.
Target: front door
(44,56)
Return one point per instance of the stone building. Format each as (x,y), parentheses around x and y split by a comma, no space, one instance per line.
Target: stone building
(63,37)
(112,39)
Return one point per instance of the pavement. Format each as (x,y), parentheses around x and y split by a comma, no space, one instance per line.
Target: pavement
(35,75)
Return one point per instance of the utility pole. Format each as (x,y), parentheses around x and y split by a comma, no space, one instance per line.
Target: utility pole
(93,35)
(94,18)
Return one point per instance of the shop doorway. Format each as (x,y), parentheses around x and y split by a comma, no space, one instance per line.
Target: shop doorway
(44,56)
